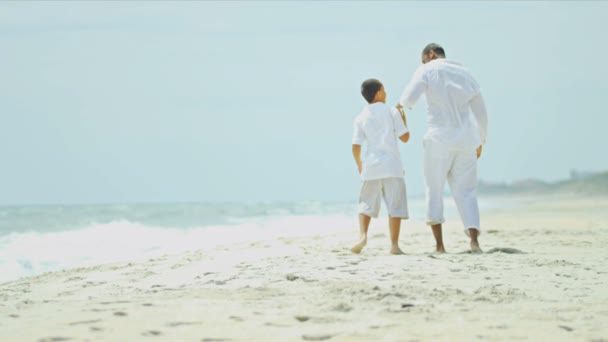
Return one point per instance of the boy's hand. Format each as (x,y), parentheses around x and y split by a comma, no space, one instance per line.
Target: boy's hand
(400,109)
(479,151)
(402,112)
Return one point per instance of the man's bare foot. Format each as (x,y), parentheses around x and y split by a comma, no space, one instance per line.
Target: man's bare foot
(396,250)
(440,249)
(359,246)
(475,249)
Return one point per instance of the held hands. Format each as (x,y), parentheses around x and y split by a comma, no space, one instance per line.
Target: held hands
(359,167)
(399,107)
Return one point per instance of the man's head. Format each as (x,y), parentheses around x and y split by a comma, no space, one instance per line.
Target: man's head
(373,91)
(432,51)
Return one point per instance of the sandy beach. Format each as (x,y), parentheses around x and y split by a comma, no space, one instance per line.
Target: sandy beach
(543,276)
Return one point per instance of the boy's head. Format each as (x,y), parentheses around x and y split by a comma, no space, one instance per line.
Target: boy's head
(373,91)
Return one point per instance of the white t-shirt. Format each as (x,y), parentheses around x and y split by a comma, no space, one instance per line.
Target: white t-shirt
(451,93)
(379,126)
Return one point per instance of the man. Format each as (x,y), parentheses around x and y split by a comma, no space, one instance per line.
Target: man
(454,139)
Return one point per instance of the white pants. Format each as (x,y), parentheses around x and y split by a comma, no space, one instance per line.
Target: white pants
(459,167)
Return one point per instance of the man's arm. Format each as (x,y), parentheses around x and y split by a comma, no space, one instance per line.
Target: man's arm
(414,90)
(357,156)
(478,107)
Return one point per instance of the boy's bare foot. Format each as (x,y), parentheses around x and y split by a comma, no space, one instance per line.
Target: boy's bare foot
(359,246)
(475,249)
(440,249)
(396,250)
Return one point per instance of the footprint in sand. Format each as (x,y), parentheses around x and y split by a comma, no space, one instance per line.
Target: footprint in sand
(152,333)
(506,250)
(342,308)
(74,279)
(85,322)
(115,302)
(120,313)
(177,324)
(54,339)
(316,337)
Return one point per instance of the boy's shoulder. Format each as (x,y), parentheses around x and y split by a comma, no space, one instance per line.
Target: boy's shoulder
(378,107)
(375,109)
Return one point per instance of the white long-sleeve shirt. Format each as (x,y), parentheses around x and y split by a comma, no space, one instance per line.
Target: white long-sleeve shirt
(451,95)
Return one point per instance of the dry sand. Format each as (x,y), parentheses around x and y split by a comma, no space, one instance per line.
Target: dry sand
(312,288)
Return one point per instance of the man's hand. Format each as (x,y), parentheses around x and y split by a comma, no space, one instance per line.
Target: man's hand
(479,151)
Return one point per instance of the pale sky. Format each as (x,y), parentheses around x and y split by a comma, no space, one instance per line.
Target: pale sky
(254,101)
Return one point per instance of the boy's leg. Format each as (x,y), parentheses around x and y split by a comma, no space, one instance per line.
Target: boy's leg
(463,185)
(369,206)
(394,224)
(395,197)
(437,162)
(364,221)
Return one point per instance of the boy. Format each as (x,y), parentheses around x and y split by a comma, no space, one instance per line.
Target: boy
(381,171)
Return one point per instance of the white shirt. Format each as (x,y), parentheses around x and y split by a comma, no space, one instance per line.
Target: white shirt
(451,94)
(379,126)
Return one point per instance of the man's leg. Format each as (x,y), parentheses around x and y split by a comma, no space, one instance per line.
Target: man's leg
(437,233)
(437,160)
(474,233)
(463,184)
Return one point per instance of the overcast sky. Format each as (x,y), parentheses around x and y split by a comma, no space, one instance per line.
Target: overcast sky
(254,101)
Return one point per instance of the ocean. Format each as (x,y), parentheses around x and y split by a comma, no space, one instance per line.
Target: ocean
(38,239)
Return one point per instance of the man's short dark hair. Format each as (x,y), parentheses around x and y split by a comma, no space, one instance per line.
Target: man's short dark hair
(369,88)
(435,48)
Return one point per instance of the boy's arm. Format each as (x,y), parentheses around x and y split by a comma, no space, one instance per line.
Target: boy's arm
(357,156)
(400,122)
(357,141)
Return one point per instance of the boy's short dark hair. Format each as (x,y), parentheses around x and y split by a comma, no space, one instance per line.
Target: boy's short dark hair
(369,88)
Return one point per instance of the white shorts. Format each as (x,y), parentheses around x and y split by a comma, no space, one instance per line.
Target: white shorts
(394,194)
